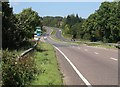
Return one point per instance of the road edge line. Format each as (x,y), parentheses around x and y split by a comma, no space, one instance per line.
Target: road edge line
(73,66)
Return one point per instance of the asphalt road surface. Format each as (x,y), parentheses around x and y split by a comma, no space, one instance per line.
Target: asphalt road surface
(85,65)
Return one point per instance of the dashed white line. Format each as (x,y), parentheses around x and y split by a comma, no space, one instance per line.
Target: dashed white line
(113,58)
(96,53)
(86,49)
(76,70)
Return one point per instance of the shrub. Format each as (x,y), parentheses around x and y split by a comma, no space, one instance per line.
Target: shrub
(17,73)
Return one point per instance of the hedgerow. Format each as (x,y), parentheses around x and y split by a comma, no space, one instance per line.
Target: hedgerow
(17,73)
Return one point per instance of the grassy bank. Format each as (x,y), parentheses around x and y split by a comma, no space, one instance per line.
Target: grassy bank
(54,36)
(46,62)
(88,43)
(54,32)
(66,35)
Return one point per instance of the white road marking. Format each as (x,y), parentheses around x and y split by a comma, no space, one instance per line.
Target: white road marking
(86,49)
(73,46)
(51,32)
(51,38)
(60,30)
(113,58)
(76,70)
(96,53)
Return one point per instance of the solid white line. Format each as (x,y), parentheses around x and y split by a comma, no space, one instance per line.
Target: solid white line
(113,58)
(96,53)
(76,70)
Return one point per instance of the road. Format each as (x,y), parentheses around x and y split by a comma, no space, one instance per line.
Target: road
(86,65)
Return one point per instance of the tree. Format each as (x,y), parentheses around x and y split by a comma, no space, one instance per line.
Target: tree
(104,24)
(11,34)
(71,21)
(28,20)
(52,21)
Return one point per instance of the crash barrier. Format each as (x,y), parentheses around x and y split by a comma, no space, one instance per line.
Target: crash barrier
(22,55)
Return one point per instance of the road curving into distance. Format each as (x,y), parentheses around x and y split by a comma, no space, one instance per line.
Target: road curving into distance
(85,65)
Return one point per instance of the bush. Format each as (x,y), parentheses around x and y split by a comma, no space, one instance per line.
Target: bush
(17,73)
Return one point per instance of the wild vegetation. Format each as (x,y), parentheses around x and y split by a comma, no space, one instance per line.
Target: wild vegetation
(103,25)
(47,65)
(17,73)
(52,21)
(17,29)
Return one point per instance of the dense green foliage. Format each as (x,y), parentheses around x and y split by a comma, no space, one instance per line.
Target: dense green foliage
(103,25)
(0,25)
(16,30)
(10,32)
(28,20)
(52,21)
(19,27)
(17,73)
(70,23)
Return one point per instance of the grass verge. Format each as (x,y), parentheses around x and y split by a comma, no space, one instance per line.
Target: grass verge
(53,32)
(102,45)
(68,36)
(53,35)
(46,62)
(87,42)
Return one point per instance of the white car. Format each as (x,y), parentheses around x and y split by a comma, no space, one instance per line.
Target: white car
(35,37)
(45,38)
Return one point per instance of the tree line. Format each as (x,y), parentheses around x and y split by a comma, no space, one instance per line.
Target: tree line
(52,21)
(103,25)
(18,28)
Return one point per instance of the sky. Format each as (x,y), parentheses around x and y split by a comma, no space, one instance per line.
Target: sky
(83,9)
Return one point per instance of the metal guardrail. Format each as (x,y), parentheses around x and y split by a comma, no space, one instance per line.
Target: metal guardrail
(26,52)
